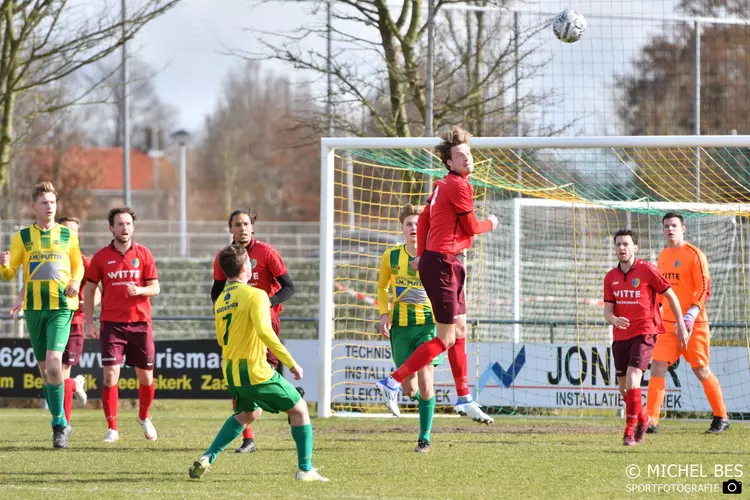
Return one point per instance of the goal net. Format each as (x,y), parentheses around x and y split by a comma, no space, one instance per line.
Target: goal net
(537,338)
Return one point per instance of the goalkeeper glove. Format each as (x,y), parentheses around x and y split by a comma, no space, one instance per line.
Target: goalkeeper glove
(690,316)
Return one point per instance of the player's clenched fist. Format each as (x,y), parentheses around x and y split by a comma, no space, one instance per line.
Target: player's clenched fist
(297,371)
(4,259)
(493,220)
(72,289)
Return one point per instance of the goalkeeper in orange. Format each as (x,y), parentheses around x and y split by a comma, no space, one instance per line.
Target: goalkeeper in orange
(686,268)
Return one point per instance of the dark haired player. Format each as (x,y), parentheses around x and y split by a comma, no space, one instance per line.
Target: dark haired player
(269,274)
(631,305)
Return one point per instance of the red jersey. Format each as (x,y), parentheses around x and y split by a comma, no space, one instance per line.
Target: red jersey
(116,270)
(267,266)
(635,296)
(447,224)
(78,315)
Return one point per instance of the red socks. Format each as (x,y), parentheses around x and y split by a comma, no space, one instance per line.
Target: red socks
(459,366)
(110,400)
(421,357)
(248,433)
(145,398)
(633,410)
(70,388)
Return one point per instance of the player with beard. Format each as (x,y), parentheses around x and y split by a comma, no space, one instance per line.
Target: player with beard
(127,272)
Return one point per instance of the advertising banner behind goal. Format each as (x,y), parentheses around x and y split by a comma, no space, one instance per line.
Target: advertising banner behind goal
(525,375)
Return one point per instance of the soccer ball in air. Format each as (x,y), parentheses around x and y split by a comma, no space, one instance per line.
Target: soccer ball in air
(569,26)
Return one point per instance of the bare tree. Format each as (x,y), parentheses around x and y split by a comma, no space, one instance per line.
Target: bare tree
(378,65)
(45,41)
(256,153)
(147,109)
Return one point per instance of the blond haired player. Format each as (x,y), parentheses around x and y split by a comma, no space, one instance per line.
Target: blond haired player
(52,269)
(686,268)
(410,322)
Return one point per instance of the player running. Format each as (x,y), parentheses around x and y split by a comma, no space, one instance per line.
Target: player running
(446,227)
(73,350)
(269,274)
(127,272)
(409,323)
(686,268)
(244,331)
(631,306)
(53,271)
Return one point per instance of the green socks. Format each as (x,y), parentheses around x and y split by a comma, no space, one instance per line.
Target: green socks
(303,437)
(228,433)
(426,412)
(55,395)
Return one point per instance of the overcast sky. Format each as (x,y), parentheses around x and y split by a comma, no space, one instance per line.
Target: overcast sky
(187,45)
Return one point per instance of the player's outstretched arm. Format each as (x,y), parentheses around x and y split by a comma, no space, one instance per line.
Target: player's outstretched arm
(471,225)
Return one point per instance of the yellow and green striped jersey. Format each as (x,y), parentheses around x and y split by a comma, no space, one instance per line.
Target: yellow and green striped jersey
(410,303)
(50,259)
(243,330)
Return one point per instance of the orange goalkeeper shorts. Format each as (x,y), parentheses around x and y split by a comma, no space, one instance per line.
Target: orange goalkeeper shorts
(698,352)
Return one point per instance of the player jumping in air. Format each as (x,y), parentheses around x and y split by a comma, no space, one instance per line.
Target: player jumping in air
(409,323)
(244,331)
(446,228)
(53,271)
(129,279)
(269,274)
(686,268)
(73,350)
(631,306)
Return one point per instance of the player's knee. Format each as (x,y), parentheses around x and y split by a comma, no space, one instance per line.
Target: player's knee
(461,330)
(659,368)
(702,372)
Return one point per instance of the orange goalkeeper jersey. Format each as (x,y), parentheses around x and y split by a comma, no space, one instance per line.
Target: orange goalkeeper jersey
(686,268)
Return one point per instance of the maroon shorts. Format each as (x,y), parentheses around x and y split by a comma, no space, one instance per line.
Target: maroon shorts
(133,341)
(635,351)
(74,349)
(276,325)
(443,277)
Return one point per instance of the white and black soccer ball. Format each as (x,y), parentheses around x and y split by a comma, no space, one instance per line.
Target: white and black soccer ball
(569,26)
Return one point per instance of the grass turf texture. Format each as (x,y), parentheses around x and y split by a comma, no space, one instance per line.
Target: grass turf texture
(364,458)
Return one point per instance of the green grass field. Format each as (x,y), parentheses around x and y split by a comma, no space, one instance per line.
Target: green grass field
(364,458)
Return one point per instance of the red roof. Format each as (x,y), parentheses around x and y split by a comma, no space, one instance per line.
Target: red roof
(109,163)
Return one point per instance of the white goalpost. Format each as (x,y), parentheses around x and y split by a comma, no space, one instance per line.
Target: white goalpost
(553,245)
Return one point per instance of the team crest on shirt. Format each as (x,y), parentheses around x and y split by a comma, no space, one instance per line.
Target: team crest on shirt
(227,297)
(27,246)
(635,282)
(136,262)
(395,269)
(253,262)
(677,263)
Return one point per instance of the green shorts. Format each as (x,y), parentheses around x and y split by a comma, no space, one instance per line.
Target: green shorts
(406,339)
(48,330)
(274,395)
